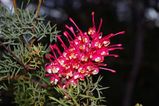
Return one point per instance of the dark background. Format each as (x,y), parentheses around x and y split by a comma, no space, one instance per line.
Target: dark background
(137,77)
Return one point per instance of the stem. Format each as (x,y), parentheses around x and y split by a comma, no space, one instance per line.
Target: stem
(58,101)
(85,96)
(38,8)
(43,85)
(26,68)
(76,104)
(15,6)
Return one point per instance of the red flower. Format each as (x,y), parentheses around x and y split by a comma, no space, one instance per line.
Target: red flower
(84,56)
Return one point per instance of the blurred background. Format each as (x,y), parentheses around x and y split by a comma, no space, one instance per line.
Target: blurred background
(138,65)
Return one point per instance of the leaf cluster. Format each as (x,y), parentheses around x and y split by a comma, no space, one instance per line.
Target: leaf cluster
(22,55)
(86,93)
(28,93)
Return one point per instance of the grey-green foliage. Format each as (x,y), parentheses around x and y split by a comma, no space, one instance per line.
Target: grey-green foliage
(21,54)
(24,25)
(81,95)
(28,93)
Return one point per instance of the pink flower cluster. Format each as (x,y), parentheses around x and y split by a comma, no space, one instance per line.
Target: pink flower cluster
(84,56)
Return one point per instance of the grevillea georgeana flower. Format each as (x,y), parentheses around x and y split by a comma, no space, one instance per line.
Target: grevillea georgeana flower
(84,56)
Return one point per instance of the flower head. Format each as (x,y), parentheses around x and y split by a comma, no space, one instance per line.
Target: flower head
(84,56)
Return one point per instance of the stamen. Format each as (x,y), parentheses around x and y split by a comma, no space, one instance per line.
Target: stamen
(115,45)
(101,64)
(115,48)
(109,36)
(120,33)
(75,25)
(55,47)
(93,22)
(66,34)
(71,29)
(63,44)
(58,50)
(100,25)
(113,71)
(112,34)
(114,55)
(52,49)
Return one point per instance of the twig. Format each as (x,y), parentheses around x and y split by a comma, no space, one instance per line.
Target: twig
(26,68)
(38,8)
(15,6)
(43,85)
